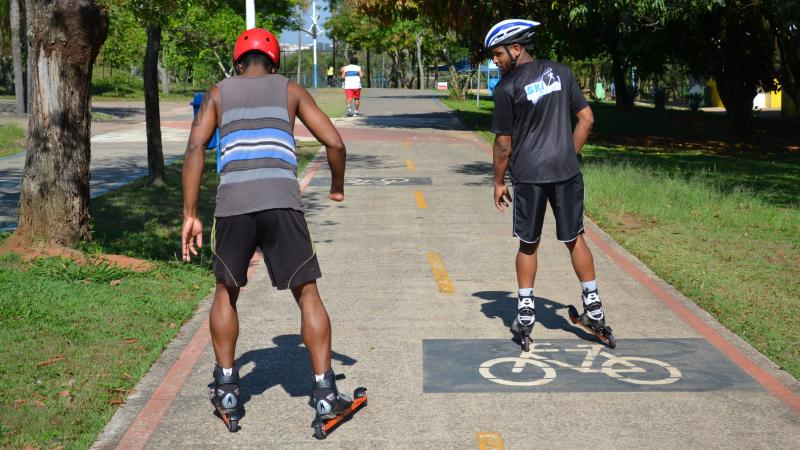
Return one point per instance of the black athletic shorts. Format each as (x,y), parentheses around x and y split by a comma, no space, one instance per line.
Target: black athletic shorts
(284,240)
(530,202)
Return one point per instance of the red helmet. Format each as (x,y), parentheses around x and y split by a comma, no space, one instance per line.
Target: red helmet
(260,40)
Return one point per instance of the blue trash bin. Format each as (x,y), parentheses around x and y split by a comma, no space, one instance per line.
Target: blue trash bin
(214,142)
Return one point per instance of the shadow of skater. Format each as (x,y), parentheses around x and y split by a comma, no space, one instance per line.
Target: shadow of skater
(286,365)
(503,305)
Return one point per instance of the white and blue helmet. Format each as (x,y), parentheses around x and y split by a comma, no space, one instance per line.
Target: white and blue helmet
(510,31)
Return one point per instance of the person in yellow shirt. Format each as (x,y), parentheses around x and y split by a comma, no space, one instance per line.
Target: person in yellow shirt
(330,76)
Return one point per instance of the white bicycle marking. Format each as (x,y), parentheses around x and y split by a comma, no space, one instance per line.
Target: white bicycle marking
(375,182)
(609,367)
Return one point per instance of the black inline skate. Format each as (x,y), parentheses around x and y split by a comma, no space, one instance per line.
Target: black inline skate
(593,318)
(523,324)
(331,406)
(225,397)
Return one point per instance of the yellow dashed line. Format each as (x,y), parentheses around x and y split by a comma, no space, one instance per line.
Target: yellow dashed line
(421,203)
(489,441)
(440,273)
(410,165)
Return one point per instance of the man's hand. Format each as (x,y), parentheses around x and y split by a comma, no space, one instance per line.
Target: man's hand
(336,195)
(502,198)
(192,232)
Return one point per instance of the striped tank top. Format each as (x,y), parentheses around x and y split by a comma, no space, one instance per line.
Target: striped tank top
(258,164)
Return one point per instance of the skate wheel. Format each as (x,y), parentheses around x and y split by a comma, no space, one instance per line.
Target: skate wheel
(612,341)
(233,425)
(319,433)
(360,392)
(573,314)
(526,343)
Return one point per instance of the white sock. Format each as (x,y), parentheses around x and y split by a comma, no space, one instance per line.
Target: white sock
(589,285)
(227,372)
(525,292)
(319,378)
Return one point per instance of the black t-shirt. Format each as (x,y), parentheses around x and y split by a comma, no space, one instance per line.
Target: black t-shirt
(535,104)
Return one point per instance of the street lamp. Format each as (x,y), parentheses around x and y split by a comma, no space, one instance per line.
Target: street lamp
(250,13)
(314,32)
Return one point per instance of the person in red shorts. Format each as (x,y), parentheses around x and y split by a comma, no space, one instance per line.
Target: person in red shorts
(351,74)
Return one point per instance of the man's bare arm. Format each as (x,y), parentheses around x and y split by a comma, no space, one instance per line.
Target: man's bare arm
(203,126)
(323,130)
(582,128)
(501,155)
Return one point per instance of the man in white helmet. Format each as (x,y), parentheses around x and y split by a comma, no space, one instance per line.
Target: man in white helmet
(534,103)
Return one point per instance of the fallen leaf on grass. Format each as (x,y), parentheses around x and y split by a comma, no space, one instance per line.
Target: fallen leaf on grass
(47,362)
(116,402)
(60,447)
(18,403)
(130,340)
(30,448)
(65,394)
(38,404)
(71,382)
(172,325)
(115,283)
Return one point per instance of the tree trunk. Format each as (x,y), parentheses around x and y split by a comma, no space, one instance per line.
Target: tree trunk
(155,154)
(369,71)
(299,54)
(66,36)
(737,95)
(16,55)
(28,55)
(620,85)
(455,82)
(164,76)
(420,66)
(394,81)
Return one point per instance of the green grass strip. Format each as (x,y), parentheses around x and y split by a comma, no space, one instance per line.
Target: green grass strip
(11,138)
(721,226)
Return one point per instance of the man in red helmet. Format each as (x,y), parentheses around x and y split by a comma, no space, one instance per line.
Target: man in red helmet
(258,204)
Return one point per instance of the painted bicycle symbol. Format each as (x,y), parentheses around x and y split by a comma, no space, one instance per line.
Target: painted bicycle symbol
(540,369)
(375,181)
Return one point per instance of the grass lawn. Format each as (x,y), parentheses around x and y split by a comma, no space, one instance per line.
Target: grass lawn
(11,137)
(718,220)
(77,339)
(330,100)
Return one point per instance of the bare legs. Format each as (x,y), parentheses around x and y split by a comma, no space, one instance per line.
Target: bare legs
(582,261)
(224,323)
(315,325)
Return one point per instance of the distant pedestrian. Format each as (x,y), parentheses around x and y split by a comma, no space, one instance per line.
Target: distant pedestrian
(330,76)
(351,74)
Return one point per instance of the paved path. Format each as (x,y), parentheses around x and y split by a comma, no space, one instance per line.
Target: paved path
(419,282)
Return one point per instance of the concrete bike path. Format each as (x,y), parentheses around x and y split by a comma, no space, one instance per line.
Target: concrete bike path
(418,279)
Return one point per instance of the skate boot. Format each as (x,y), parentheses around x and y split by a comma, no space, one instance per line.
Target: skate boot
(331,406)
(225,397)
(523,324)
(593,318)
(349,112)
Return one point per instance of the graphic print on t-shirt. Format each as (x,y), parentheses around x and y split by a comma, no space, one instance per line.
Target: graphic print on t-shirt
(549,82)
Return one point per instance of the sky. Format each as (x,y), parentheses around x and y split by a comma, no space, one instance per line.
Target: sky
(290,37)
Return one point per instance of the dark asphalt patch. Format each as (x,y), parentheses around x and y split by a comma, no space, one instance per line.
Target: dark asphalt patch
(562,365)
(376,181)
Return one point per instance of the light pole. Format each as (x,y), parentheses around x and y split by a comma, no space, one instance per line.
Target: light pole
(250,13)
(314,32)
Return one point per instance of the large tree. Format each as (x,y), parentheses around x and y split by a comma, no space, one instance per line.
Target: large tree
(65,37)
(16,55)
